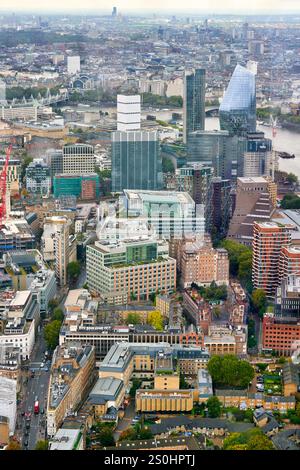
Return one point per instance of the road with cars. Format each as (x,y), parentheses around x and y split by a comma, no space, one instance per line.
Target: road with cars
(32,427)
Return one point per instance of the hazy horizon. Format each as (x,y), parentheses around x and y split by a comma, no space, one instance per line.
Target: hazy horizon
(216,7)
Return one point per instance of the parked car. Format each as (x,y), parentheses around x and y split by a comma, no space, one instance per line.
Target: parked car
(42,411)
(26,443)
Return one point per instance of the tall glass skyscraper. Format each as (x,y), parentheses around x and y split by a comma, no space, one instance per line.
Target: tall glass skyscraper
(238,107)
(194,102)
(136,161)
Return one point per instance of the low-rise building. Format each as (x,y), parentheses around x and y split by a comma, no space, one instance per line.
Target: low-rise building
(72,375)
(245,400)
(8,402)
(67,439)
(108,392)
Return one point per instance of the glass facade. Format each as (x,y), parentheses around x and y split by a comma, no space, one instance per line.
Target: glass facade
(194,102)
(67,185)
(136,161)
(238,107)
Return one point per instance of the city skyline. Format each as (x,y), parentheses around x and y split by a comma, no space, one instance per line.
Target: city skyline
(192,6)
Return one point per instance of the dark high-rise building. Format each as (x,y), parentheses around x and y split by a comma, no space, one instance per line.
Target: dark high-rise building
(219,149)
(221,206)
(194,102)
(136,161)
(114,12)
(238,107)
(196,179)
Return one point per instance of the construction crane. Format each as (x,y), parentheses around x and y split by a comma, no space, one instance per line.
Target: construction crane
(3,185)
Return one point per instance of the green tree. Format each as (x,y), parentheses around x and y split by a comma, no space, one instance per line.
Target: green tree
(155,319)
(51,333)
(52,304)
(291,178)
(145,434)
(42,445)
(58,314)
(214,407)
(254,439)
(167,165)
(129,434)
(229,370)
(259,301)
(136,383)
(73,270)
(290,201)
(106,437)
(133,319)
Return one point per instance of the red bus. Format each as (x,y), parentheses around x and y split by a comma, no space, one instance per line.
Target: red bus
(36,407)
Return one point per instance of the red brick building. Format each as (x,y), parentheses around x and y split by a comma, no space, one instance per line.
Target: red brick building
(280,334)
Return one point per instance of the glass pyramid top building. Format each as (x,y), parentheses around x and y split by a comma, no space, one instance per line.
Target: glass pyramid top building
(238,108)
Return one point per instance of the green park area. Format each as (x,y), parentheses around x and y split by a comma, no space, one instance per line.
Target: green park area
(272,384)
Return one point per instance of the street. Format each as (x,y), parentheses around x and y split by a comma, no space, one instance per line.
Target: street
(35,389)
(126,421)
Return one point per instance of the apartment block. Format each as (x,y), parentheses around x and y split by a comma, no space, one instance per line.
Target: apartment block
(268,240)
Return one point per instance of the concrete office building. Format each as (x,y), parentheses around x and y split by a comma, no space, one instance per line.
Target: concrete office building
(258,158)
(129,269)
(73,64)
(78,159)
(171,214)
(128,113)
(254,202)
(193,102)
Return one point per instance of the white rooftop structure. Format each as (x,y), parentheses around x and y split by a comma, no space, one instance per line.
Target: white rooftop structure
(8,401)
(129,113)
(67,439)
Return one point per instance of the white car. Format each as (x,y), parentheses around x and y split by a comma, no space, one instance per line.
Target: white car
(42,365)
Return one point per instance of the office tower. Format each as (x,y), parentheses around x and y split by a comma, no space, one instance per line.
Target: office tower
(219,149)
(78,159)
(38,179)
(136,161)
(238,107)
(221,206)
(254,202)
(258,158)
(193,102)
(54,159)
(129,113)
(114,12)
(129,269)
(268,240)
(73,64)
(195,179)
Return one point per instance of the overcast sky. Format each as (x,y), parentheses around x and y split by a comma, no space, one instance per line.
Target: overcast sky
(214,6)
